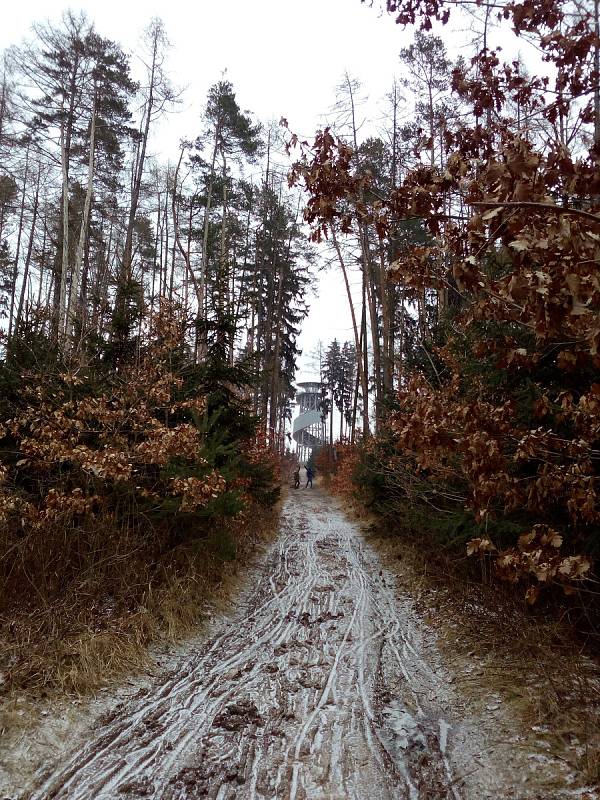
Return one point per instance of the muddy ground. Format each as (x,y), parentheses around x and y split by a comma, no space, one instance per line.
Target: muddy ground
(320,681)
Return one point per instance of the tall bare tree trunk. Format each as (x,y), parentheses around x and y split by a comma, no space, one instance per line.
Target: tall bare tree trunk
(62,298)
(363,333)
(276,350)
(597,88)
(139,168)
(222,281)
(371,296)
(41,276)
(83,231)
(206,227)
(15,274)
(34,216)
(185,252)
(357,341)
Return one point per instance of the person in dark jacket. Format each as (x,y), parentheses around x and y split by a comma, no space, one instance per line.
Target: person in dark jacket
(309,477)
(297,477)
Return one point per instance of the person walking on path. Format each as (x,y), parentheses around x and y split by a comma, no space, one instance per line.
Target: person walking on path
(297,477)
(309,477)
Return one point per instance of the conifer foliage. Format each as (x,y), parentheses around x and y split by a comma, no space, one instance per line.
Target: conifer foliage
(149,313)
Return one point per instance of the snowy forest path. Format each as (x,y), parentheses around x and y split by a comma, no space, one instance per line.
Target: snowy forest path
(319,684)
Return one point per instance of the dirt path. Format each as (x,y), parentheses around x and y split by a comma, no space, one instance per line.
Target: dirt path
(321,684)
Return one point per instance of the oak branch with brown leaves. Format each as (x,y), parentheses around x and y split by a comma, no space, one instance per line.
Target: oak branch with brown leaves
(495,406)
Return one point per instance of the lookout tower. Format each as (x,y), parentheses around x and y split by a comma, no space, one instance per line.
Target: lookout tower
(308,426)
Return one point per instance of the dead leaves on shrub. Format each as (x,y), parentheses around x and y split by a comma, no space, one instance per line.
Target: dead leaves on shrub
(537,556)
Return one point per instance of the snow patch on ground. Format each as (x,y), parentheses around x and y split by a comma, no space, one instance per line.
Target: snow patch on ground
(322,681)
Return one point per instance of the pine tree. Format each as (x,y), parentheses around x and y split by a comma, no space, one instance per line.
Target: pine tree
(231,135)
(331,380)
(346,384)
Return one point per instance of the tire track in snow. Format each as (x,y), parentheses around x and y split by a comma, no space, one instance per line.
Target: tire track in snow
(315,690)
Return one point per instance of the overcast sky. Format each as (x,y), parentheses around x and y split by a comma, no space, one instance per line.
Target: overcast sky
(284,58)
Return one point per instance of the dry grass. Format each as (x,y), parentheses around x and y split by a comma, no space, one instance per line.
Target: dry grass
(502,655)
(76,643)
(498,647)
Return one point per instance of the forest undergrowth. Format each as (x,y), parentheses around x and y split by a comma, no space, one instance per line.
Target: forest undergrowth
(479,373)
(149,315)
(368,478)
(127,496)
(498,647)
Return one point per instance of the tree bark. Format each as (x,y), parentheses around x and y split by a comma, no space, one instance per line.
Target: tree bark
(357,342)
(185,253)
(15,274)
(62,298)
(34,216)
(83,231)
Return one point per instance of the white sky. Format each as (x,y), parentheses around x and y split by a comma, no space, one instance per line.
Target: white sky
(284,58)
